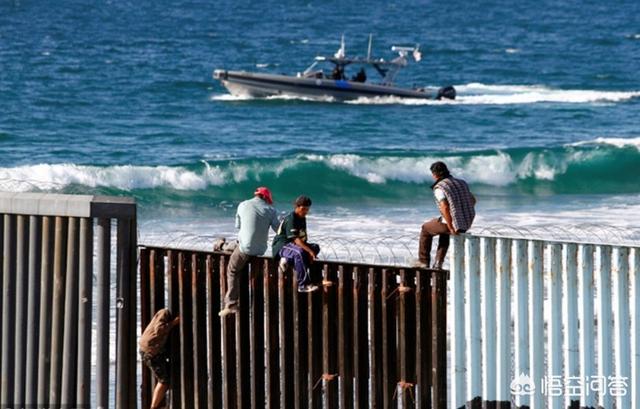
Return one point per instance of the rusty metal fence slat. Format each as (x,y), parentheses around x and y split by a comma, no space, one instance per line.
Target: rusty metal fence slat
(70,331)
(35,245)
(314,352)
(57,327)
(360,345)
(8,301)
(272,385)
(367,337)
(257,334)
(46,279)
(85,302)
(103,303)
(345,348)
(300,362)
(22,249)
(214,392)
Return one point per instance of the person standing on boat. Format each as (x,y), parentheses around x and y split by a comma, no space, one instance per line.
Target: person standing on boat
(291,243)
(457,209)
(361,76)
(337,73)
(253,218)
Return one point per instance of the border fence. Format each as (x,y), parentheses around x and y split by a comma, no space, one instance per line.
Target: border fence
(566,317)
(372,336)
(530,323)
(48,259)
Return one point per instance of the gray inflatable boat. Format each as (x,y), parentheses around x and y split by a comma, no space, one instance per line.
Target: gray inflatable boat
(316,83)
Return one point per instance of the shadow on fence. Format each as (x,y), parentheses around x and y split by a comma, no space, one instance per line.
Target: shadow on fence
(371,337)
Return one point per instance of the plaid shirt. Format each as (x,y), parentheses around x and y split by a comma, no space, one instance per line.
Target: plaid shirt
(460,200)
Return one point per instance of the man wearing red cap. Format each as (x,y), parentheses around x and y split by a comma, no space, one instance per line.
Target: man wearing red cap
(253,218)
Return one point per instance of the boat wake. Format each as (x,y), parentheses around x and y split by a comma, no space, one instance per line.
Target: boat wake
(478,94)
(483,94)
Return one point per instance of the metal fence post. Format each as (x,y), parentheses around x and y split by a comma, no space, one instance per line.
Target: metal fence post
(587,350)
(57,319)
(22,266)
(536,319)
(622,322)
(103,264)
(33,309)
(473,318)
(554,316)
(635,328)
(85,300)
(70,334)
(489,328)
(503,270)
(44,339)
(570,312)
(8,308)
(458,363)
(521,328)
(605,322)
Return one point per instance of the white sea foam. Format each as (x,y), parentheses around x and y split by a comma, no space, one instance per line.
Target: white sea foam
(476,93)
(494,170)
(284,97)
(379,170)
(396,100)
(229,97)
(483,94)
(617,142)
(497,169)
(127,177)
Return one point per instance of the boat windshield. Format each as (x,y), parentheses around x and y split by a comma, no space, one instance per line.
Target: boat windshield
(342,68)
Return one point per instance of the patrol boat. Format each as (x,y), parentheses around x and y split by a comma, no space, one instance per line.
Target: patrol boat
(334,84)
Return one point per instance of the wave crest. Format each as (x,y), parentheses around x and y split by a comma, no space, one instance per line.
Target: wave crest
(585,166)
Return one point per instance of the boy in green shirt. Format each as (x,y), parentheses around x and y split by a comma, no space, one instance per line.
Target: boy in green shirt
(291,244)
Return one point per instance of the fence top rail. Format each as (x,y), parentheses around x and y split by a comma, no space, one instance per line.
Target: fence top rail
(51,204)
(327,262)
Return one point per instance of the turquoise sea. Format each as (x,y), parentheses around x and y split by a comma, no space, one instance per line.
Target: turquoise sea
(117,97)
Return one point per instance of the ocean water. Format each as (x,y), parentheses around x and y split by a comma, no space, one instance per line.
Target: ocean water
(117,97)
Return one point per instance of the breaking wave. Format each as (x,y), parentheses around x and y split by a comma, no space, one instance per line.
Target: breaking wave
(603,165)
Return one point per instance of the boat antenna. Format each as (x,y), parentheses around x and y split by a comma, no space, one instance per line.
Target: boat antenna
(341,52)
(369,51)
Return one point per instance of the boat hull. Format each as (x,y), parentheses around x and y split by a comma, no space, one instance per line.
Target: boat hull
(241,83)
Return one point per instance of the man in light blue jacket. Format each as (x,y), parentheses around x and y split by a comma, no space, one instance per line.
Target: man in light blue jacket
(254,217)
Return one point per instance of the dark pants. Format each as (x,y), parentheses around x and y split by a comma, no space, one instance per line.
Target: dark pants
(237,262)
(297,256)
(433,227)
(158,365)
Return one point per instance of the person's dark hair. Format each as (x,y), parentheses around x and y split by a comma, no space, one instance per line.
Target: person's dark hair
(440,170)
(303,201)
